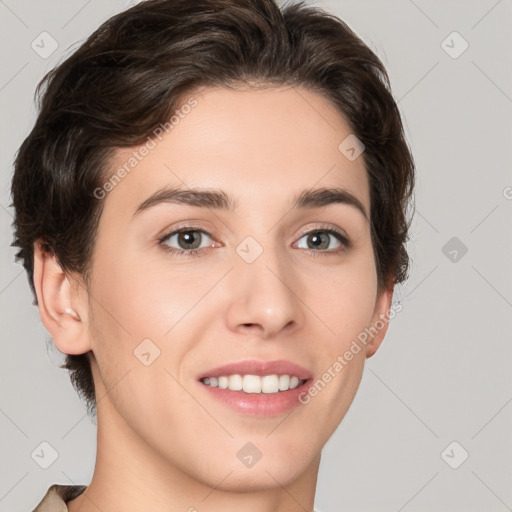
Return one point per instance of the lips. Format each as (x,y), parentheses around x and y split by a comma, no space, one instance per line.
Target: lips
(261,368)
(247,397)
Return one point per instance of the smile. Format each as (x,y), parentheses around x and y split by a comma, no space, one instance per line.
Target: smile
(255,387)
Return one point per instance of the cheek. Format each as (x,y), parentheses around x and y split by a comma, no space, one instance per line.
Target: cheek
(140,297)
(140,307)
(127,320)
(344,300)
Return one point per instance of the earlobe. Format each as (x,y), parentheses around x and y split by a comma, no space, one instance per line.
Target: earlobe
(380,320)
(63,315)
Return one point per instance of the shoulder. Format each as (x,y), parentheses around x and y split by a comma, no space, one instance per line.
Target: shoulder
(57,496)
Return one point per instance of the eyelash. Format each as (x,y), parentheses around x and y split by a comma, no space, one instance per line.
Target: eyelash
(345,242)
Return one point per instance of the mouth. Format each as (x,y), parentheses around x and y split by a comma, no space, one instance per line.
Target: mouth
(257,388)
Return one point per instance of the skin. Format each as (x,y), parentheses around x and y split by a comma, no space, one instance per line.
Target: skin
(163,443)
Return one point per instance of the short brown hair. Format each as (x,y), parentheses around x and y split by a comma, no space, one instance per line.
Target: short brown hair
(130,75)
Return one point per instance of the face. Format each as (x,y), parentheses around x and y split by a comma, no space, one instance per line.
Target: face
(252,278)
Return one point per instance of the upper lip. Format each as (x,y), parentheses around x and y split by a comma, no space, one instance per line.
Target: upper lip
(261,368)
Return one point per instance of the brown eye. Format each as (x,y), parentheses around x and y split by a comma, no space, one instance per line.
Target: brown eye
(323,240)
(318,240)
(186,241)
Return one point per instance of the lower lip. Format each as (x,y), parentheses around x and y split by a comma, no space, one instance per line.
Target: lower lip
(259,404)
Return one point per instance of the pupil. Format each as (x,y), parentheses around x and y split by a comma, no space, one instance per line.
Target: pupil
(187,238)
(316,240)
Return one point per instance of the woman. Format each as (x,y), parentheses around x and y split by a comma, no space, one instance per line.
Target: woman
(211,209)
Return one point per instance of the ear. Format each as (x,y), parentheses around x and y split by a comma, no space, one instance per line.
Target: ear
(380,320)
(62,304)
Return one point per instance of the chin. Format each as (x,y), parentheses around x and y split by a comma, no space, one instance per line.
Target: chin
(259,465)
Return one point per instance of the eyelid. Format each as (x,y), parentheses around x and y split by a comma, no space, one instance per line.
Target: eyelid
(343,237)
(183,228)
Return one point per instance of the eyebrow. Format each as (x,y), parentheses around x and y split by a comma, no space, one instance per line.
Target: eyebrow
(219,200)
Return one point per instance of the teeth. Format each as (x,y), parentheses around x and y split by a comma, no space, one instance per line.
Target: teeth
(235,382)
(270,384)
(284,382)
(254,383)
(294,382)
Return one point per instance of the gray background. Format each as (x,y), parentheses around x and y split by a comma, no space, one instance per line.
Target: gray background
(443,372)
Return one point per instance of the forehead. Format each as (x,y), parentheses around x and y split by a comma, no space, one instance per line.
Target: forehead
(261,146)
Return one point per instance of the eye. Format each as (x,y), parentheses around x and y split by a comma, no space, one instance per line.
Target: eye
(322,239)
(190,241)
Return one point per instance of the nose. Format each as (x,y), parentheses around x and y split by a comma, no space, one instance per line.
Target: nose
(264,298)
